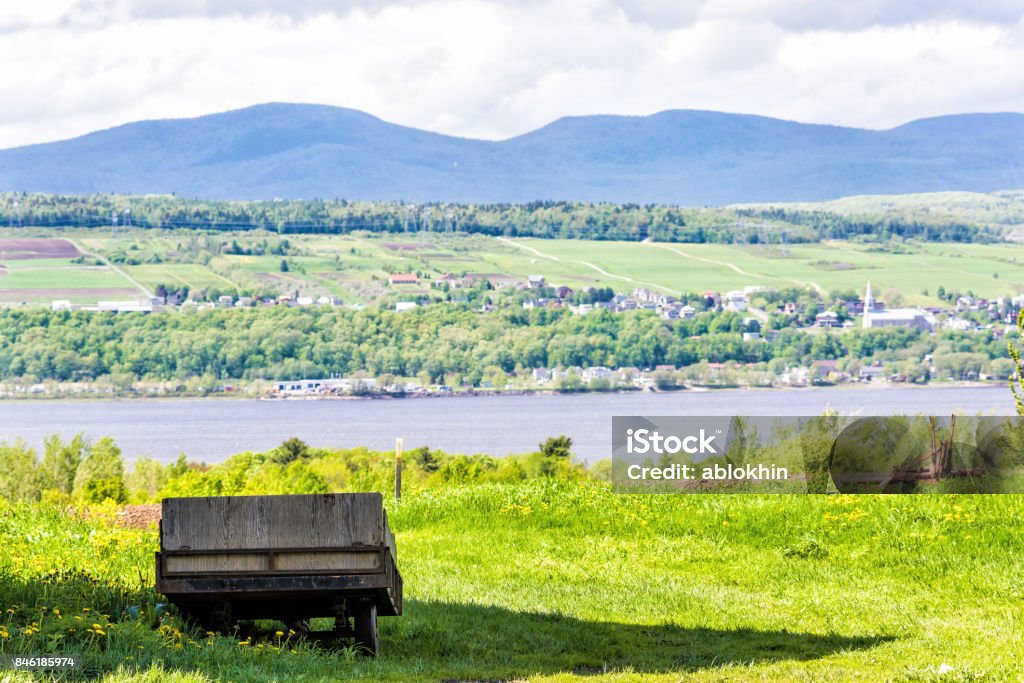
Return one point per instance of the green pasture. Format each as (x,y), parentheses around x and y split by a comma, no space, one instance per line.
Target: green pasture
(563,581)
(356,267)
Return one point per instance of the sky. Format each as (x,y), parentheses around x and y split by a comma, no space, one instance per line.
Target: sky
(498,68)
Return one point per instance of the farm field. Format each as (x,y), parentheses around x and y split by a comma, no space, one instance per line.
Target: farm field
(356,267)
(43,269)
(562,581)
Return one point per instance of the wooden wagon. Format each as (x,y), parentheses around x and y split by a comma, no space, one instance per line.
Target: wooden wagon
(290,558)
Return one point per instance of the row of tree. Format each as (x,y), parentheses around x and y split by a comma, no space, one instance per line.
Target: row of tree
(432,343)
(78,471)
(578,220)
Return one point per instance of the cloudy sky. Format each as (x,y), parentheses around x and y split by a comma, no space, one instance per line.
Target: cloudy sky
(497,68)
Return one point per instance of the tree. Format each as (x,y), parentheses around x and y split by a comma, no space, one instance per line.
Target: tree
(1017,382)
(284,265)
(19,473)
(103,462)
(557,447)
(291,450)
(61,461)
(103,489)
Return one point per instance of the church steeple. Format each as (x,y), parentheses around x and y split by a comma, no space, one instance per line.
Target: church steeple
(868,305)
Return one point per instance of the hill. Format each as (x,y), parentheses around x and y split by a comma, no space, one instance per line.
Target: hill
(675,157)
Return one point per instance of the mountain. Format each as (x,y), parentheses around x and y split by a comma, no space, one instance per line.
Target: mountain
(679,157)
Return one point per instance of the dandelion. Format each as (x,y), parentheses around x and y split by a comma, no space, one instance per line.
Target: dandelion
(278,633)
(725,524)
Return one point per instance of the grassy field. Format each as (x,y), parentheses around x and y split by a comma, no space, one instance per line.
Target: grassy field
(561,581)
(41,270)
(356,267)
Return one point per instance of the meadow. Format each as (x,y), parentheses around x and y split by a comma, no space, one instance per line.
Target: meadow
(558,581)
(355,267)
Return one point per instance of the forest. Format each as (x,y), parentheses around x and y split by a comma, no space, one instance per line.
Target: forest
(545,219)
(451,344)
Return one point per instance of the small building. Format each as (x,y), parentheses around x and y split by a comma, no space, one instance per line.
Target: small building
(535,281)
(735,301)
(869,373)
(403,306)
(827,319)
(403,279)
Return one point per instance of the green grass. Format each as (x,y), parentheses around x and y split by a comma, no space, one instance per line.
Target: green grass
(561,581)
(355,267)
(192,275)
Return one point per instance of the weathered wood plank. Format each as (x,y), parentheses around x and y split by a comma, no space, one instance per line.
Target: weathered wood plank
(340,561)
(235,562)
(270,522)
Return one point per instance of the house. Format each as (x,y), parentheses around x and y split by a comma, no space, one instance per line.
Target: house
(824,368)
(869,372)
(735,301)
(542,375)
(598,372)
(687,311)
(563,292)
(403,279)
(827,319)
(403,306)
(535,281)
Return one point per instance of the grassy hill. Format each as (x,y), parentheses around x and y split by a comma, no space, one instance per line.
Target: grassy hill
(550,580)
(356,267)
(677,157)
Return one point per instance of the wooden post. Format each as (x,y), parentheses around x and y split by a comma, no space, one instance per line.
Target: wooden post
(398,469)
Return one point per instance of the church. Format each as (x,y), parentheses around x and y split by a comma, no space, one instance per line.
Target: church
(917,318)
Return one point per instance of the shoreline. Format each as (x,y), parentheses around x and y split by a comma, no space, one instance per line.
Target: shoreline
(238,395)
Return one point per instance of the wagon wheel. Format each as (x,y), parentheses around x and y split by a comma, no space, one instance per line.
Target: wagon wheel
(364,616)
(300,626)
(221,619)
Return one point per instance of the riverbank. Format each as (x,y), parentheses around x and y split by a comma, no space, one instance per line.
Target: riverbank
(265,394)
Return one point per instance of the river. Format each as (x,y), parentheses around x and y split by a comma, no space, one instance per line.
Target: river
(212,429)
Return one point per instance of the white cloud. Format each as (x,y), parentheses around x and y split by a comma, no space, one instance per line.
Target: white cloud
(496,68)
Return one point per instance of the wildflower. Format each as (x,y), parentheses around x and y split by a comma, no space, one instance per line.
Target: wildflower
(278,633)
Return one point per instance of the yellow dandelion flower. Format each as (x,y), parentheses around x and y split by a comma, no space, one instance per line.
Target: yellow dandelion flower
(278,633)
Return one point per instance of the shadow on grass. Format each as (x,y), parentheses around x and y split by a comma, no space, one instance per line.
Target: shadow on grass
(473,641)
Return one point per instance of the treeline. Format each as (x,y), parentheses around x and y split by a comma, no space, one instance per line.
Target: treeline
(78,471)
(436,344)
(576,220)
(820,225)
